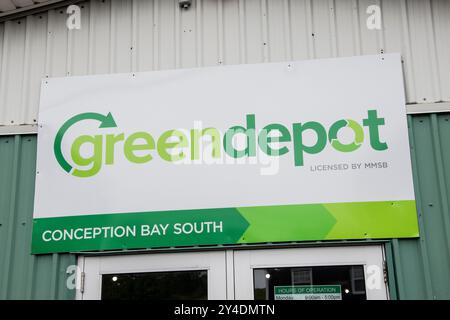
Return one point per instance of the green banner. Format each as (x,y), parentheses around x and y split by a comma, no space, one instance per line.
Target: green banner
(142,230)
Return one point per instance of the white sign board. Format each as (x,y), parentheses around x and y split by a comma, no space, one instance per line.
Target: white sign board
(312,143)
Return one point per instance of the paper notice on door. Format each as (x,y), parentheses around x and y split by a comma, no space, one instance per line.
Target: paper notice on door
(325,292)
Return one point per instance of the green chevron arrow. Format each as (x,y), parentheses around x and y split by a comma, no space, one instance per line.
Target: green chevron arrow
(105,122)
(373,220)
(286,223)
(332,221)
(135,230)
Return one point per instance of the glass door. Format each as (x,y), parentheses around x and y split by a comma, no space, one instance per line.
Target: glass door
(333,273)
(325,273)
(174,276)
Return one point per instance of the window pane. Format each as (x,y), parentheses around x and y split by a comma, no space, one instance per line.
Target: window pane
(176,285)
(310,283)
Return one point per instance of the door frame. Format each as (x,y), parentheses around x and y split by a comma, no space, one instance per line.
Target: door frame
(232,268)
(93,267)
(370,256)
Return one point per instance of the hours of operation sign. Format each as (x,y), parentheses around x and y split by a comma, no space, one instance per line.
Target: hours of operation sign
(332,292)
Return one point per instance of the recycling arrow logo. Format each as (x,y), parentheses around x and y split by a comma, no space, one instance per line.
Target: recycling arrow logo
(349,147)
(105,122)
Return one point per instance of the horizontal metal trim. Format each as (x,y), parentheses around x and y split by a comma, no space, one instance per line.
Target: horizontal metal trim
(236,247)
(36,8)
(21,129)
(436,107)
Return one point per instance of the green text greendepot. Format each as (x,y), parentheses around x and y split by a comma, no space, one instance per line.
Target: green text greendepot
(175,145)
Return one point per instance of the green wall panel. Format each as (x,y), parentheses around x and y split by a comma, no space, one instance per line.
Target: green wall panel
(422,267)
(22,275)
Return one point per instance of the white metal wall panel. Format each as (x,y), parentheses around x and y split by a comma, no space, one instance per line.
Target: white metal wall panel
(34,66)
(143,35)
(11,105)
(441,24)
(167,50)
(78,46)
(145,31)
(231,33)
(300,30)
(121,33)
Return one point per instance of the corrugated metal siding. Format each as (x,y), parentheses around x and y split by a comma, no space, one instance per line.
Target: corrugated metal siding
(421,267)
(23,276)
(142,35)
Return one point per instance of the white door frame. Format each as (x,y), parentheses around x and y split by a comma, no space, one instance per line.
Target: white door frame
(230,272)
(212,261)
(371,257)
